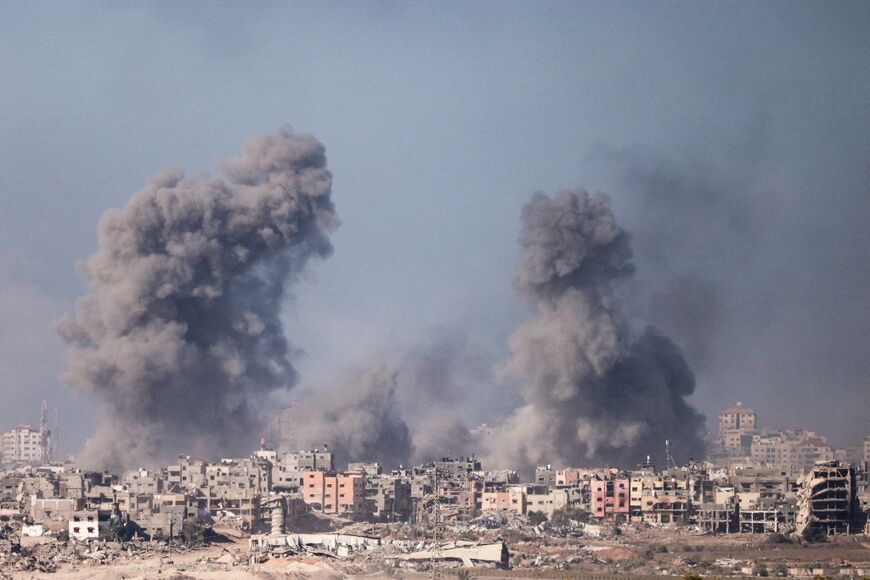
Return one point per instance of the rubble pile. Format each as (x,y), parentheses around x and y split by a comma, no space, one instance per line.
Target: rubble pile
(228,524)
(51,555)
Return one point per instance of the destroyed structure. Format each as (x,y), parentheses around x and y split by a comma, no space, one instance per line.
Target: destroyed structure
(267,496)
(827,499)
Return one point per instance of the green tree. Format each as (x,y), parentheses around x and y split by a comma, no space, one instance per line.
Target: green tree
(194,533)
(815,535)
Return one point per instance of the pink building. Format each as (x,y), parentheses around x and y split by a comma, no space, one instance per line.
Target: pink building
(611,499)
(496,501)
(335,494)
(569,477)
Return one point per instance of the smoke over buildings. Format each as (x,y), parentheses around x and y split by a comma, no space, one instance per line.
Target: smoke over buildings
(358,419)
(592,391)
(179,335)
(445,386)
(413,409)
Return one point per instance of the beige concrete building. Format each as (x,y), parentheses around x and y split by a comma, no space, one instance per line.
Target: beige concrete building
(736,425)
(795,448)
(21,444)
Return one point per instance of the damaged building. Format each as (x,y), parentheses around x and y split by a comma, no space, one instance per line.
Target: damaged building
(827,500)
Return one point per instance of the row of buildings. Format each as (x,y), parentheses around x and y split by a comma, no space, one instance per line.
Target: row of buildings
(252,492)
(741,437)
(744,491)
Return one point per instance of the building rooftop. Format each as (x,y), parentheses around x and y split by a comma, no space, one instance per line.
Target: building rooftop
(739,409)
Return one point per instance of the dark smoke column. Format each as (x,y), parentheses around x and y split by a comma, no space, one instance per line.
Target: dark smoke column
(593,393)
(179,335)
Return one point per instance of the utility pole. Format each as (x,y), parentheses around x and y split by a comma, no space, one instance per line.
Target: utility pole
(436,521)
(55,439)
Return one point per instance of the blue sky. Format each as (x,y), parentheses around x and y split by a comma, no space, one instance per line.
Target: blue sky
(440,120)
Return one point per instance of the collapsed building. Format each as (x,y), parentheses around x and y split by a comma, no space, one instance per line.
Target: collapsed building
(828,500)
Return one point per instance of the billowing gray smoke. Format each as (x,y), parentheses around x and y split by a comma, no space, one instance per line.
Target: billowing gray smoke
(411,411)
(593,393)
(358,419)
(441,383)
(179,335)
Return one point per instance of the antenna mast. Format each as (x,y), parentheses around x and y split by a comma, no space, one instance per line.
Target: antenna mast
(44,435)
(436,520)
(669,460)
(55,440)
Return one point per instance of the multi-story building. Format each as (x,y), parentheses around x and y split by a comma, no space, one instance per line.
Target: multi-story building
(450,469)
(867,449)
(21,444)
(142,482)
(738,418)
(336,494)
(85,525)
(736,426)
(545,475)
(236,485)
(827,499)
(611,499)
(795,448)
(388,498)
(187,473)
(288,468)
(495,501)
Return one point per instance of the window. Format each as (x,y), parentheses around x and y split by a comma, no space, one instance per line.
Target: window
(76,530)
(90,530)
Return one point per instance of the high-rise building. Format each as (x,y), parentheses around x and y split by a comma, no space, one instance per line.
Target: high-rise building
(22,444)
(738,418)
(736,426)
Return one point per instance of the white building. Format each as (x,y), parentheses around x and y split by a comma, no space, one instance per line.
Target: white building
(867,449)
(21,444)
(85,525)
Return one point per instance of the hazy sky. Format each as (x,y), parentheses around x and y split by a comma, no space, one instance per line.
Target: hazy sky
(733,139)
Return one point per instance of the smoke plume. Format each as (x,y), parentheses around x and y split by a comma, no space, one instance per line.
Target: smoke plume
(358,419)
(592,391)
(444,382)
(179,335)
(412,410)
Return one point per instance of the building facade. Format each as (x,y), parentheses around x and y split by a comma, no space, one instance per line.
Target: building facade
(22,444)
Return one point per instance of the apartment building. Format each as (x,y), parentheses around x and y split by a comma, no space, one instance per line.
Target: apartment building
(795,448)
(611,499)
(337,494)
(737,424)
(21,444)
